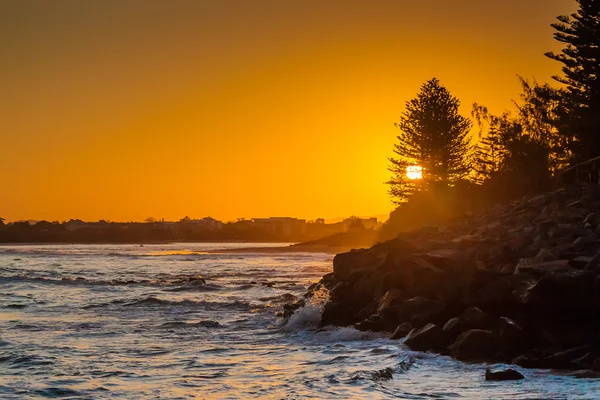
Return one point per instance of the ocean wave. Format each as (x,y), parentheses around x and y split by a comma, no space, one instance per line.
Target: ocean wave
(282,298)
(182,324)
(56,392)
(209,305)
(174,283)
(196,286)
(24,361)
(16,306)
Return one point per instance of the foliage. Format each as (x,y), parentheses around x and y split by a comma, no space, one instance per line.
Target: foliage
(433,135)
(580,33)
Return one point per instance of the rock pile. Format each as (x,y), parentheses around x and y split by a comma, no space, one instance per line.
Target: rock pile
(516,283)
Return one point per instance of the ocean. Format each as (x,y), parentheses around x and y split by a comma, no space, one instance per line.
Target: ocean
(131,322)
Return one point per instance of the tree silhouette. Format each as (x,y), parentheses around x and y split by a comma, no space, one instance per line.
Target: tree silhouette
(580,57)
(433,135)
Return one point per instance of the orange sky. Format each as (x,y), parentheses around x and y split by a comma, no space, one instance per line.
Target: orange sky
(122,109)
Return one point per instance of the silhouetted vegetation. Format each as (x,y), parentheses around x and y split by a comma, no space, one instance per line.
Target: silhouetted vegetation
(580,57)
(433,137)
(517,153)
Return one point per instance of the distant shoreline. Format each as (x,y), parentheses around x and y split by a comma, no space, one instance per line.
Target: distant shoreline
(292,248)
(135,243)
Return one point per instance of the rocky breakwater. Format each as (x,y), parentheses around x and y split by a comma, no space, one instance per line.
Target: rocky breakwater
(517,283)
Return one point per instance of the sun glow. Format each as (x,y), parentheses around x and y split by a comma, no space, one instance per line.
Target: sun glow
(414,172)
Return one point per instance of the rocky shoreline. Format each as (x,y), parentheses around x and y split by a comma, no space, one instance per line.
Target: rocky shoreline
(518,283)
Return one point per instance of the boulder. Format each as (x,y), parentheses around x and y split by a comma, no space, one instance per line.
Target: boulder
(420,310)
(503,375)
(474,318)
(337,314)
(475,344)
(452,329)
(391,298)
(510,338)
(427,338)
(402,330)
(355,264)
(563,296)
(593,219)
(563,359)
(585,242)
(374,323)
(495,293)
(584,374)
(539,268)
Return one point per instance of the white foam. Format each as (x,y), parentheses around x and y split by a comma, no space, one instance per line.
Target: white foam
(346,334)
(308,316)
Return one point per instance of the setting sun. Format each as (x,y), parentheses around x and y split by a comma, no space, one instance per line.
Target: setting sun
(414,172)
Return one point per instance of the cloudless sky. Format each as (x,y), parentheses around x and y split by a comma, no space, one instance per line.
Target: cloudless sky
(123,109)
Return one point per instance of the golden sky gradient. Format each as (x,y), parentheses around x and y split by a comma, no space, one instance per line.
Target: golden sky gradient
(127,109)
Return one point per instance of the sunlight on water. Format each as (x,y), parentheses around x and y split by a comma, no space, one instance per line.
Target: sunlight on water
(123,321)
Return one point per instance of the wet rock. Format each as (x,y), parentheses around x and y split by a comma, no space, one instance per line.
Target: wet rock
(337,314)
(452,329)
(510,337)
(402,330)
(563,359)
(526,361)
(475,344)
(584,374)
(428,337)
(503,375)
(290,308)
(383,375)
(374,323)
(584,362)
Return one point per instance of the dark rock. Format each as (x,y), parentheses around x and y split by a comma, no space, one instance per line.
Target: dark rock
(510,337)
(452,329)
(427,338)
(338,314)
(584,374)
(580,262)
(402,330)
(584,362)
(497,292)
(593,219)
(383,375)
(475,344)
(566,295)
(563,359)
(374,323)
(420,310)
(526,361)
(290,308)
(474,318)
(584,242)
(392,297)
(348,264)
(503,375)
(541,268)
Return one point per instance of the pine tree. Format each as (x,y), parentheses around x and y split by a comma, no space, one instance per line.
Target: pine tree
(581,67)
(434,137)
